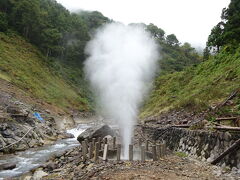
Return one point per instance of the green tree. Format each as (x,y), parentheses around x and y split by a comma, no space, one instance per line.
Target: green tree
(227,31)
(156,32)
(93,19)
(172,40)
(3,22)
(25,16)
(50,40)
(215,39)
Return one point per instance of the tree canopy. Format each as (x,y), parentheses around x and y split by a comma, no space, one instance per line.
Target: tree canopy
(62,35)
(52,28)
(227,31)
(174,56)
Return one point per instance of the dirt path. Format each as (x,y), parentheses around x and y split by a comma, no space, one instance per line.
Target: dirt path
(171,167)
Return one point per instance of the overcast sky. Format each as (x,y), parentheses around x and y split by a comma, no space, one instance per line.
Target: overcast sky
(190,20)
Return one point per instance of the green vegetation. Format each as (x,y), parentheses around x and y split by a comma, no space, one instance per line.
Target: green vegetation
(227,31)
(52,69)
(207,84)
(181,154)
(196,88)
(42,51)
(22,64)
(174,56)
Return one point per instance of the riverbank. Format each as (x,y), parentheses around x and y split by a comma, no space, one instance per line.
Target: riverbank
(27,122)
(27,161)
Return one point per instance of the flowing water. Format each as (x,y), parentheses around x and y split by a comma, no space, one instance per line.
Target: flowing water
(35,157)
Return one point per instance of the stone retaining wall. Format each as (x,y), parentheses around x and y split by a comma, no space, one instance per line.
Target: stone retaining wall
(200,144)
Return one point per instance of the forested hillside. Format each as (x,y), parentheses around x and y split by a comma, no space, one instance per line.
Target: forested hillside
(209,83)
(40,36)
(52,68)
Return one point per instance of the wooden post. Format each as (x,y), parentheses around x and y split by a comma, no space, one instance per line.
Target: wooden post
(93,141)
(146,144)
(118,152)
(99,143)
(84,150)
(158,148)
(130,152)
(143,153)
(161,150)
(86,142)
(140,142)
(91,146)
(154,153)
(105,152)
(114,142)
(164,148)
(96,152)
(234,147)
(104,141)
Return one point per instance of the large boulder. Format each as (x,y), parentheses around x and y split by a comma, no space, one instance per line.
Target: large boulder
(14,110)
(95,132)
(7,166)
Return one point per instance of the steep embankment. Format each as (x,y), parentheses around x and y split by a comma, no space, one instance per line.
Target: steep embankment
(23,65)
(196,88)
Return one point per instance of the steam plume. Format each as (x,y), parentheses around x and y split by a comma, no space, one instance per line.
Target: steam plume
(120,67)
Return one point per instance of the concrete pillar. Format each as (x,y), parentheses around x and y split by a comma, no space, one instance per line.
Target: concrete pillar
(118,152)
(96,152)
(91,146)
(105,152)
(143,153)
(154,153)
(130,152)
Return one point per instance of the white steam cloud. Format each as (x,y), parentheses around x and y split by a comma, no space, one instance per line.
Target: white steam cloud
(121,65)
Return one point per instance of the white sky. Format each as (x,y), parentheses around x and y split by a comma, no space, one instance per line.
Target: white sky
(190,20)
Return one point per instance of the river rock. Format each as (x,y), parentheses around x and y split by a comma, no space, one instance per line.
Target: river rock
(7,133)
(13,110)
(3,126)
(51,166)
(7,166)
(21,147)
(65,135)
(39,174)
(95,132)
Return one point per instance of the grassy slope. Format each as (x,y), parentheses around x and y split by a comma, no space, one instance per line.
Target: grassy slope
(22,64)
(196,88)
